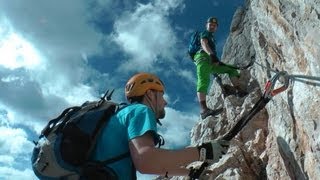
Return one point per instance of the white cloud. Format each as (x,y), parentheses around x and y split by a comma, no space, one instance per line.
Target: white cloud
(14,141)
(52,25)
(6,159)
(187,75)
(176,127)
(37,84)
(145,176)
(146,35)
(15,52)
(15,151)
(15,174)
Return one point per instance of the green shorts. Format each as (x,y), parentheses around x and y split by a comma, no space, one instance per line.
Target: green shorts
(205,69)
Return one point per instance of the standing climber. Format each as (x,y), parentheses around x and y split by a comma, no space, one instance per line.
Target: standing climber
(133,129)
(208,63)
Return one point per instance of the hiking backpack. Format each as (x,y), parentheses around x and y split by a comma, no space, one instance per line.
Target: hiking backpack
(66,143)
(194,44)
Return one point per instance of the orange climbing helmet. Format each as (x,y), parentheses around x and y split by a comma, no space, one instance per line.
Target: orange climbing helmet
(140,83)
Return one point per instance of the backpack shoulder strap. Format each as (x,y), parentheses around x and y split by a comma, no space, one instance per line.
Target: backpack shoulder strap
(110,109)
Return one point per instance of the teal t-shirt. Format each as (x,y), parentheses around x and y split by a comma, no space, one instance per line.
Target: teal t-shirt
(128,123)
(211,40)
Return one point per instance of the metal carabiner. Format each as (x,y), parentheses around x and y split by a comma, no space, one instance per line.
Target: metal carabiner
(269,90)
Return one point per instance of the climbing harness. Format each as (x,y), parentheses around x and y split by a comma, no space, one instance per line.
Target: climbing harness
(269,93)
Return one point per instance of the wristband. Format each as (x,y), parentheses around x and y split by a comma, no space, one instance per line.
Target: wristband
(202,154)
(205,151)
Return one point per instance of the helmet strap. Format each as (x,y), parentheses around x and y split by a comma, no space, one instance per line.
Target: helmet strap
(157,108)
(148,99)
(154,106)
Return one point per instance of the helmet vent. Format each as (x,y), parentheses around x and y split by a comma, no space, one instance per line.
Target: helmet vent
(129,86)
(146,80)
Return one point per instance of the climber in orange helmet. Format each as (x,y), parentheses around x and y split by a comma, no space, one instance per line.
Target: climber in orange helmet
(134,129)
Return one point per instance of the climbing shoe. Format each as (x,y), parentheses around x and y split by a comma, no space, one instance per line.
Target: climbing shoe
(211,112)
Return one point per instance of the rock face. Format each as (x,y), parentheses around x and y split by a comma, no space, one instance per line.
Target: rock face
(282,141)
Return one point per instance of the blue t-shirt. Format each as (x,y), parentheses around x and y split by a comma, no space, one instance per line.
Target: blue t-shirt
(128,123)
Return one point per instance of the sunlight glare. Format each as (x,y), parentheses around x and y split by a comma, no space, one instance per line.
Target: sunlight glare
(15,51)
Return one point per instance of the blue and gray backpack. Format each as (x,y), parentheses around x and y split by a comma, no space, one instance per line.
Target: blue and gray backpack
(66,144)
(194,44)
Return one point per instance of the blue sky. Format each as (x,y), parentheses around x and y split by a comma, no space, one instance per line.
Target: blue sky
(54,54)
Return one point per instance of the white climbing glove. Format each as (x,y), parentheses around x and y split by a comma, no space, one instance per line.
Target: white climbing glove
(213,150)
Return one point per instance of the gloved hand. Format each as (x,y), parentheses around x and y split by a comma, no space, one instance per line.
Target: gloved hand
(214,59)
(213,150)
